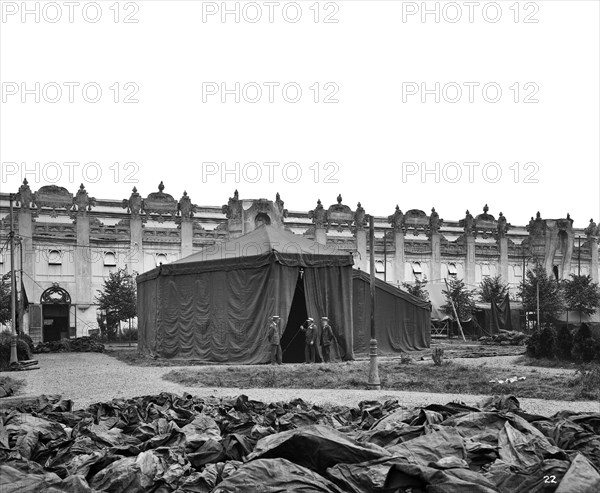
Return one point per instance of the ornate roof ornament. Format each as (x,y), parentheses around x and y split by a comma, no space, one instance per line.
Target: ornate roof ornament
(134,204)
(318,215)
(160,204)
(592,231)
(24,196)
(417,221)
(468,224)
(280,203)
(435,223)
(360,218)
(339,215)
(185,208)
(502,227)
(537,226)
(53,197)
(82,201)
(233,208)
(397,220)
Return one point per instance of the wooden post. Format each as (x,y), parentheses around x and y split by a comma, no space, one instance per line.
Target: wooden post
(14,359)
(454,310)
(374,382)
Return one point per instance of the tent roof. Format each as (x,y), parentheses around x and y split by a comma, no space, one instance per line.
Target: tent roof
(391,289)
(265,245)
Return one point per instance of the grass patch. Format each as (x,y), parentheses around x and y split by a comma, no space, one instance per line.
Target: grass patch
(450,377)
(14,383)
(547,363)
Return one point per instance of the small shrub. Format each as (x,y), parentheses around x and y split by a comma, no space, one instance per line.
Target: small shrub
(23,351)
(533,344)
(584,345)
(547,342)
(563,343)
(587,382)
(438,356)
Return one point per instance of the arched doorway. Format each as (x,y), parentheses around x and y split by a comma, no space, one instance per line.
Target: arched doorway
(56,302)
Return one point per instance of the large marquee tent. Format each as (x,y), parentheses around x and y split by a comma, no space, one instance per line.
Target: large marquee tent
(215,305)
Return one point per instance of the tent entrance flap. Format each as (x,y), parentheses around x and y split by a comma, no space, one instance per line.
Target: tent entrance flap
(292,342)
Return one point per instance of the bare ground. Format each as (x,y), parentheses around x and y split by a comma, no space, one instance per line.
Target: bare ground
(86,378)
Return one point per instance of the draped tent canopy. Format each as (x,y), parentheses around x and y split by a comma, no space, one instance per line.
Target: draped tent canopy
(215,304)
(402,321)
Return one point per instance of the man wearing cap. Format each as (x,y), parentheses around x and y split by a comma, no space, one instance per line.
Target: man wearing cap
(326,338)
(310,338)
(274,336)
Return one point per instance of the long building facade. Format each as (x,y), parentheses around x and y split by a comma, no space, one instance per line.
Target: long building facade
(69,242)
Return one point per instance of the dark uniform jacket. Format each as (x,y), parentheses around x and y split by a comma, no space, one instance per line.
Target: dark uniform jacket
(310,334)
(326,335)
(274,334)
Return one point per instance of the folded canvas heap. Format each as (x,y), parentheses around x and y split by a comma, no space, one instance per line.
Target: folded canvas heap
(166,443)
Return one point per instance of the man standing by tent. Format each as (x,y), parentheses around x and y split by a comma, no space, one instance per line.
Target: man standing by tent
(310,338)
(327,338)
(275,340)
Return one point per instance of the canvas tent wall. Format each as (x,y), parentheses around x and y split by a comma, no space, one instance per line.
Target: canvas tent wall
(215,304)
(402,321)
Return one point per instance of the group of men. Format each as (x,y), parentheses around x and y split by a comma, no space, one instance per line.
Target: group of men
(311,335)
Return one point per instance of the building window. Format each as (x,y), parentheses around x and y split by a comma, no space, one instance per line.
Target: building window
(54,257)
(417,271)
(379,267)
(452,271)
(110,259)
(161,258)
(485,271)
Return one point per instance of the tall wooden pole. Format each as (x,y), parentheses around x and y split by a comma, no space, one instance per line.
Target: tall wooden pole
(374,382)
(14,360)
(454,310)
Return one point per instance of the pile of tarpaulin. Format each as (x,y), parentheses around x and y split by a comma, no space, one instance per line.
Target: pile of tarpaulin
(75,345)
(167,443)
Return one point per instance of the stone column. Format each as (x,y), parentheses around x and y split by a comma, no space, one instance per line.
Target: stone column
(436,258)
(25,227)
(360,234)
(470,262)
(186,210)
(398,257)
(83,261)
(362,262)
(468,224)
(397,222)
(594,267)
(503,265)
(593,233)
(435,224)
(83,255)
(135,259)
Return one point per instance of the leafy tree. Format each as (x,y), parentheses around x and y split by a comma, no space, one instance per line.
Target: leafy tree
(492,288)
(119,298)
(417,289)
(550,293)
(5,314)
(462,298)
(581,294)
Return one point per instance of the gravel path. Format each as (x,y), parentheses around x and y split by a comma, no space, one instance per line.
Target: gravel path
(86,378)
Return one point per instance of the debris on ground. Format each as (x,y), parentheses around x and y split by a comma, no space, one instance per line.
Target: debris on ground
(508,380)
(169,443)
(505,338)
(75,345)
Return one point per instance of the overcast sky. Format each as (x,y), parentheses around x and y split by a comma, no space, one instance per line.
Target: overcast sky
(515,125)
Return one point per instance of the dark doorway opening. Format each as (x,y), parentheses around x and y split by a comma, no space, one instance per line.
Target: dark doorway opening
(56,322)
(292,342)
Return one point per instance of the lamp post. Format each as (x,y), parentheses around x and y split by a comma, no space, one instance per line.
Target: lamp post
(374,382)
(14,360)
